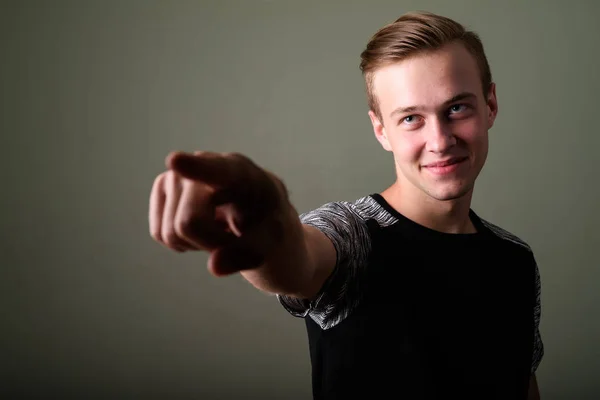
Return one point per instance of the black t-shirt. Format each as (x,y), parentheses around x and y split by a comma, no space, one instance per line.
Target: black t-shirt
(410,312)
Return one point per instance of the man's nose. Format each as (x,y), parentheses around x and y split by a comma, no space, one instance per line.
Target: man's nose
(439,136)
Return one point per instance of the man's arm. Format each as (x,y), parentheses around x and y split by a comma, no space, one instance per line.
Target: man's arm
(340,248)
(240,213)
(534,392)
(299,267)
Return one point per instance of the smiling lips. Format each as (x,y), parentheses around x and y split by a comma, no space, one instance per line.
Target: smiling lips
(445,166)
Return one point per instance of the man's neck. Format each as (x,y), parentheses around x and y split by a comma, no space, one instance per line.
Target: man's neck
(451,216)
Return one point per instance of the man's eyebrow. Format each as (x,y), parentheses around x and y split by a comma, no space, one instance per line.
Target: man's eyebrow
(458,97)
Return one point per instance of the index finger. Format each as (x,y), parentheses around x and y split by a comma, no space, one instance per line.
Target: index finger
(215,169)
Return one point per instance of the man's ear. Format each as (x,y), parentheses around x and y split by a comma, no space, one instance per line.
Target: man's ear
(492,105)
(379,131)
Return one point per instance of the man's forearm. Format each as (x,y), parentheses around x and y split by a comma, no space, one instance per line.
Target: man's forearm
(298,267)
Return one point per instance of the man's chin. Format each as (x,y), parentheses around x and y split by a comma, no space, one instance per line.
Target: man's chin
(452,197)
(450,194)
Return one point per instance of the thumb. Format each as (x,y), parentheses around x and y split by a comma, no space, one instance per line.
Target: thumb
(228,260)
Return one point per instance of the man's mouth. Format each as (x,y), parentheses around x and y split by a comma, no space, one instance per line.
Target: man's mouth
(445,163)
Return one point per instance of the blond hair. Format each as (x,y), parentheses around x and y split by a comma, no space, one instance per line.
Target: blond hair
(414,33)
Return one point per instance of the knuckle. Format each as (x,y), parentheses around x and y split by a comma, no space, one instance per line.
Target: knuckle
(273,185)
(238,157)
(170,238)
(156,236)
(274,179)
(183,227)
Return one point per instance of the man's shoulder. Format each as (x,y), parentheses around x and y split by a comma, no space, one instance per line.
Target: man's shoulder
(358,210)
(505,235)
(358,205)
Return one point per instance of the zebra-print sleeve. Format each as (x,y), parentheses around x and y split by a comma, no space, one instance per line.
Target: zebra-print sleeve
(538,344)
(348,232)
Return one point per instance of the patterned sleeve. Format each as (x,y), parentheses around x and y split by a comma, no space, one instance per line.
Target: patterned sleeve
(348,232)
(538,344)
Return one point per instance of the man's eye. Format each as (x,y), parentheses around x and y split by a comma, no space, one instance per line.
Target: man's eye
(411,119)
(457,108)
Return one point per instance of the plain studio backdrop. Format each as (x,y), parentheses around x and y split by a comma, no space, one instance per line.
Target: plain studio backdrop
(94,95)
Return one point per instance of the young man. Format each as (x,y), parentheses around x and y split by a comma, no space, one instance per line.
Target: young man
(406,293)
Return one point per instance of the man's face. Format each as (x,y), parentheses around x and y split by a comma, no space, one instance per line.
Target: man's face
(435,120)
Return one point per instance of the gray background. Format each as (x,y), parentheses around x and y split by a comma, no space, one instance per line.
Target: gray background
(95,94)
